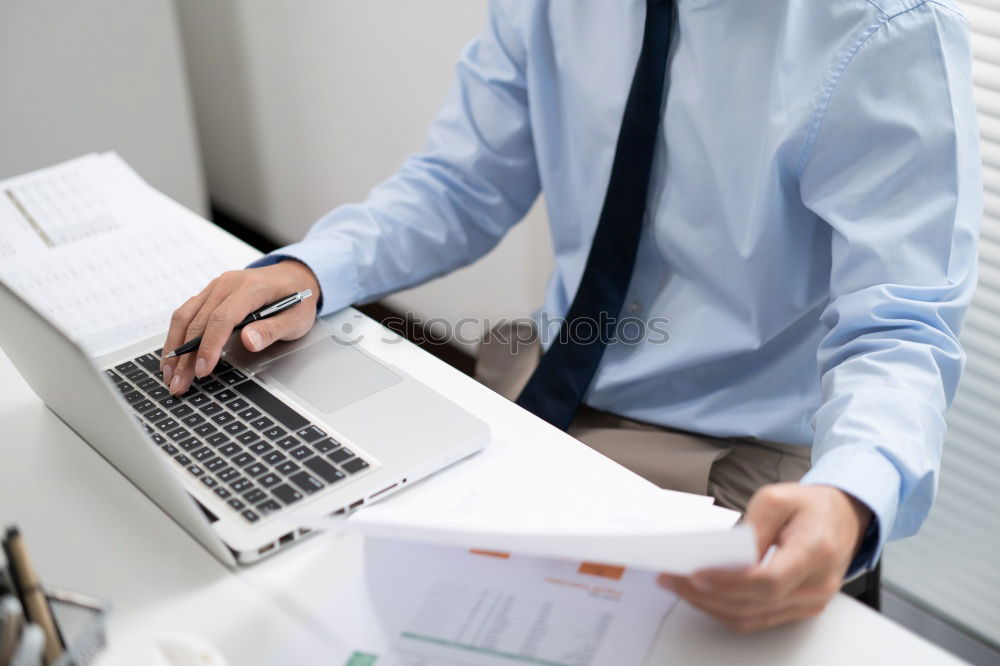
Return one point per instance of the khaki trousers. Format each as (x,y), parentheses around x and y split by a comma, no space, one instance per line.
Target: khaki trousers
(729,469)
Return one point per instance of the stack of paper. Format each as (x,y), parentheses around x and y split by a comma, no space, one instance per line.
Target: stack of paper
(89,236)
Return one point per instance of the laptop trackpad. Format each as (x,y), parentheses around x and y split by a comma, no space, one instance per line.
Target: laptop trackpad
(329,375)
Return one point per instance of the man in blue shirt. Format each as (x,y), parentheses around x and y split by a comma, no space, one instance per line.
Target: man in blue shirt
(809,231)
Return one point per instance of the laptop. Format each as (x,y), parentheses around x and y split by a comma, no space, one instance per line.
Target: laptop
(311,427)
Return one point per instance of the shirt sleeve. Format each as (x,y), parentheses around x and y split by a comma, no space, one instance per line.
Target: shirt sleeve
(447,205)
(895,172)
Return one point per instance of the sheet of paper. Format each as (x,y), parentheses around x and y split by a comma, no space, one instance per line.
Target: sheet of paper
(99,252)
(567,513)
(446,606)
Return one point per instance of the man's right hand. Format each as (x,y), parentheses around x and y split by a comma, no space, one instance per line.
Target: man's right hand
(221,305)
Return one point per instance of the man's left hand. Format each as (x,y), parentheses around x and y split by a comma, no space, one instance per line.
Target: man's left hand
(816,531)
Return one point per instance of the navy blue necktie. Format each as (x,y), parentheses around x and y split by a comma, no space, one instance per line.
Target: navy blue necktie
(556,388)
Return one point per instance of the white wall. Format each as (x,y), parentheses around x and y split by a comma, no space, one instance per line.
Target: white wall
(80,77)
(303,106)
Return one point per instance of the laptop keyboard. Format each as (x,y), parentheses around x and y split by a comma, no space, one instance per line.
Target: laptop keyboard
(250,448)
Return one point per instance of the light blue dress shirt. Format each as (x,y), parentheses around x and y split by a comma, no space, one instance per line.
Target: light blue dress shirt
(811,227)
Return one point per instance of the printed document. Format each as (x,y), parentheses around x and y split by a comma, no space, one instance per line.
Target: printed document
(99,252)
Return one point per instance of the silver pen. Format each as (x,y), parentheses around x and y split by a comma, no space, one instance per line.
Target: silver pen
(268,310)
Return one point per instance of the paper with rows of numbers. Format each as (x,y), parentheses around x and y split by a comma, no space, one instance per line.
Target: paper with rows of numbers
(101,253)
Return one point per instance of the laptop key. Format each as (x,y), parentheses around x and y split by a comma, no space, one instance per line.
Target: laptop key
(255,495)
(143,405)
(190,393)
(157,438)
(256,469)
(310,433)
(354,466)
(235,428)
(326,445)
(222,492)
(170,449)
(112,375)
(240,484)
(225,395)
(192,420)
(178,434)
(169,401)
(198,399)
(269,480)
(205,429)
(148,384)
(126,367)
(209,481)
(124,387)
(204,453)
(195,470)
(210,408)
(158,392)
(182,459)
(249,437)
(271,405)
(236,503)
(232,377)
(133,396)
(230,450)
(306,482)
(262,423)
(260,448)
(156,415)
(248,414)
(190,444)
(274,432)
(286,493)
(226,474)
(166,424)
(287,467)
(249,515)
(301,453)
(341,454)
(287,442)
(181,410)
(137,375)
(215,464)
(237,405)
(223,365)
(270,506)
(222,418)
(273,457)
(218,439)
(149,361)
(325,470)
(213,386)
(243,459)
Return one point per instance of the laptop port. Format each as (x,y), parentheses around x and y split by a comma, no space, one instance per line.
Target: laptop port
(286,538)
(264,549)
(356,504)
(384,490)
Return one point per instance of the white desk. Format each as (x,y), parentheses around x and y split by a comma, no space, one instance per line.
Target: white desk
(89,529)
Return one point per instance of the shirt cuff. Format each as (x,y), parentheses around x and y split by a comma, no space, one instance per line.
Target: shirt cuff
(331,261)
(866,475)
